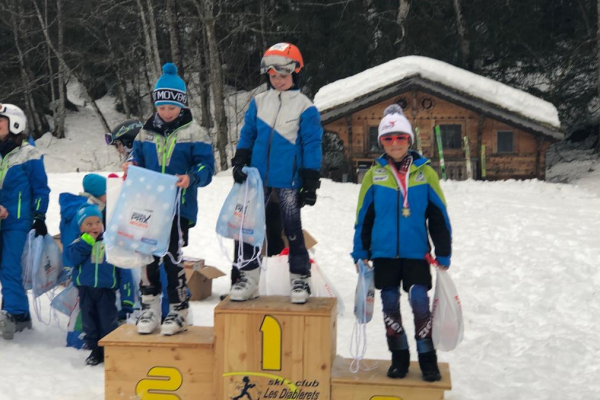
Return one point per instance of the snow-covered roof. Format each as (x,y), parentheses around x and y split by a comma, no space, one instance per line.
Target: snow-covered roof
(346,90)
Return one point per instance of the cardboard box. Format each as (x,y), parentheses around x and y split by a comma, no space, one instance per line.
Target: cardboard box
(200,277)
(309,241)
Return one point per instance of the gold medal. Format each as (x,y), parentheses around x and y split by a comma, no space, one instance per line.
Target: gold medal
(406,212)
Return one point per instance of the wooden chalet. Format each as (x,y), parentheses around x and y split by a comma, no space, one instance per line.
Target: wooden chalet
(503,144)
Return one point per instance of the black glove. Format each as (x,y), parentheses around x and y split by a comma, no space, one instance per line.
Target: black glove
(308,192)
(240,160)
(39,225)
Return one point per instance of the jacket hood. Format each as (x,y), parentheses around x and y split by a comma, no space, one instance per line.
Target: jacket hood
(69,204)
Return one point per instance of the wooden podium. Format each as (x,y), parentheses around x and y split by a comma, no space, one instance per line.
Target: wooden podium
(269,348)
(266,348)
(159,367)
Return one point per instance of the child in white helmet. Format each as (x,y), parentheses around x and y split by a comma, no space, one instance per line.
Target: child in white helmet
(24,193)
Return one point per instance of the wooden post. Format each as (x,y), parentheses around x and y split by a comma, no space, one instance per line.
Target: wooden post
(271,348)
(350,151)
(179,366)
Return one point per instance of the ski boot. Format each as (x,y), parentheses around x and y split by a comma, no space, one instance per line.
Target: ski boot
(177,319)
(96,356)
(246,288)
(149,320)
(400,364)
(9,324)
(429,367)
(300,288)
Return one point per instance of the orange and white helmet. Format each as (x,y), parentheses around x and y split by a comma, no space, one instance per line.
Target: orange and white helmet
(284,58)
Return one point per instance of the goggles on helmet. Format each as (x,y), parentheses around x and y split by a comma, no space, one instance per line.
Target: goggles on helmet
(280,64)
(108,138)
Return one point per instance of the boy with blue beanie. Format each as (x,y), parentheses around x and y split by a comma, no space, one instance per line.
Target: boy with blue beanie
(96,280)
(172,142)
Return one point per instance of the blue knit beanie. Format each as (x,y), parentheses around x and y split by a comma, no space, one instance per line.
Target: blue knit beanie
(170,88)
(94,184)
(87,210)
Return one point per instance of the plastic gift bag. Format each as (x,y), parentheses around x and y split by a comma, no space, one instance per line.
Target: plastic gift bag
(41,263)
(242,216)
(66,301)
(142,217)
(447,318)
(364,298)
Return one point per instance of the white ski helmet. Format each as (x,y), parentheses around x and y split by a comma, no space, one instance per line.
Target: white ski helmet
(16,118)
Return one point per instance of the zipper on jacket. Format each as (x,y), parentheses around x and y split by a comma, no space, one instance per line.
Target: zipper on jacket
(96,262)
(271,140)
(398,222)
(294,166)
(19,207)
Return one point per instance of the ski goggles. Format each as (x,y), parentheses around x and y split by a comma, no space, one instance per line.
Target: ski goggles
(108,138)
(390,139)
(280,64)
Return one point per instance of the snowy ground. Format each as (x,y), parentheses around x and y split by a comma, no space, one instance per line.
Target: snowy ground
(525,263)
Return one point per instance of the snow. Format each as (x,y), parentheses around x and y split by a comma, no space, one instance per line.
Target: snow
(346,90)
(525,263)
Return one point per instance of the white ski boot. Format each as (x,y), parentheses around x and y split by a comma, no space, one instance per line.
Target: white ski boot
(177,319)
(149,320)
(247,287)
(300,288)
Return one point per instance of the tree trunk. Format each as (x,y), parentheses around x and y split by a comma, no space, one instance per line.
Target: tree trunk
(216,82)
(61,60)
(203,88)
(35,122)
(174,36)
(403,9)
(60,118)
(598,66)
(465,47)
(153,38)
(154,68)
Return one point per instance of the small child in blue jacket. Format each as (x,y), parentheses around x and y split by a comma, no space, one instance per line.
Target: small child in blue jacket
(96,279)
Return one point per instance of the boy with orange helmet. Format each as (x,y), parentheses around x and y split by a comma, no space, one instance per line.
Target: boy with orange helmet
(281,137)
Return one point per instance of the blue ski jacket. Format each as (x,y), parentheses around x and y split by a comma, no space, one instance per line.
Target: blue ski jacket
(91,268)
(183,149)
(382,231)
(283,131)
(24,187)
(69,230)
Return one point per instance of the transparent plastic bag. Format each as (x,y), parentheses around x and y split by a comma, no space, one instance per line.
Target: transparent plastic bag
(364,298)
(41,263)
(66,301)
(446,314)
(142,218)
(242,216)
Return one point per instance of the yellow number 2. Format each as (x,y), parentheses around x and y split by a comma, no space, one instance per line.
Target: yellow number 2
(271,344)
(163,379)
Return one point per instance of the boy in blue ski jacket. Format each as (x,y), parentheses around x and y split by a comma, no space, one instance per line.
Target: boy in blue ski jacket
(24,192)
(94,192)
(172,142)
(400,206)
(96,280)
(281,137)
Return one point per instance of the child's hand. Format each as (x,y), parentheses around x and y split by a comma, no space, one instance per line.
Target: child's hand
(125,166)
(3,212)
(365,261)
(183,182)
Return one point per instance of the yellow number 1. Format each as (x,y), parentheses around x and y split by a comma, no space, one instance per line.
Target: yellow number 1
(271,344)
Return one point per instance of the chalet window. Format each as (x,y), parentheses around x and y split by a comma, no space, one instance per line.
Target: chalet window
(373,142)
(505,142)
(451,136)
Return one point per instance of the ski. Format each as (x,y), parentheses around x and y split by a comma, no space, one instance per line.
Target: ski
(438,136)
(483,173)
(418,135)
(468,158)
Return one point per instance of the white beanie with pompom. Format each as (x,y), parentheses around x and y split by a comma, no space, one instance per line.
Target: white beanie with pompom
(394,121)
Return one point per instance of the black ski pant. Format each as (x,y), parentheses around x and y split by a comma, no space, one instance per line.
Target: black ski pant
(98,313)
(176,281)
